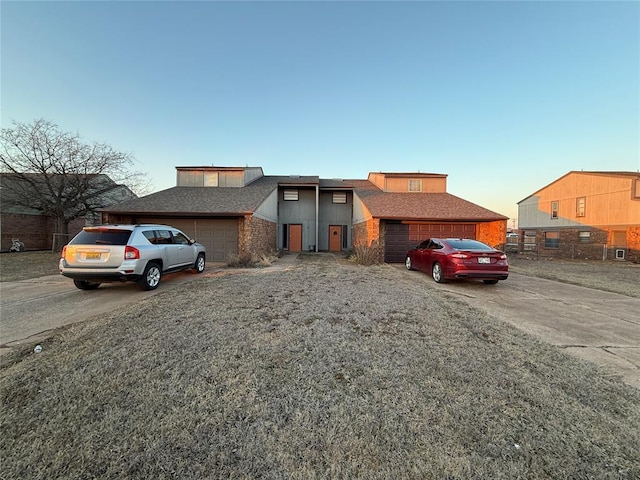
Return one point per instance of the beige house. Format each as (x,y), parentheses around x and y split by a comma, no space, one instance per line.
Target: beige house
(584,215)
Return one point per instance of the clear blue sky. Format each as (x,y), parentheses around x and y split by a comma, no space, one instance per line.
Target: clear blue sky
(504,97)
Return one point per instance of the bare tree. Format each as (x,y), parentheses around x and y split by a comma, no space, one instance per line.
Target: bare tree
(58,175)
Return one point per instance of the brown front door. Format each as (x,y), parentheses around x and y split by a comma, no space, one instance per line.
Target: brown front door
(335,238)
(295,238)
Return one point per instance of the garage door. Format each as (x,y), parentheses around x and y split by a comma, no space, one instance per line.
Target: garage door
(401,237)
(219,236)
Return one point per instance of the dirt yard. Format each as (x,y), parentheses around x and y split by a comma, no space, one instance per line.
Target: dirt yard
(319,370)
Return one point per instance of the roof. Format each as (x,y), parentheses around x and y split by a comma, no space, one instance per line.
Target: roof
(201,200)
(421,206)
(631,175)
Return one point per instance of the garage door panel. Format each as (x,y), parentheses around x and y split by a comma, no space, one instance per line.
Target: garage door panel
(400,238)
(219,236)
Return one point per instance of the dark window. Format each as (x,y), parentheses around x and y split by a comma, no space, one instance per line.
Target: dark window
(163,237)
(551,240)
(285,236)
(468,245)
(101,237)
(554,209)
(345,236)
(180,239)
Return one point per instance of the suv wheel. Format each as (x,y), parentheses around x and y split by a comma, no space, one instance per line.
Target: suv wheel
(151,277)
(199,265)
(84,285)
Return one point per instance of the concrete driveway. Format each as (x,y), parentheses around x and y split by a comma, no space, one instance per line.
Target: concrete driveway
(32,309)
(597,326)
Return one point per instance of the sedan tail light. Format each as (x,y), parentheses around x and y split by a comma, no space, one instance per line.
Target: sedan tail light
(131,253)
(64,251)
(459,255)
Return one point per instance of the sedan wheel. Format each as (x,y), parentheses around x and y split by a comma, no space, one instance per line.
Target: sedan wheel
(436,273)
(151,277)
(84,285)
(199,265)
(407,263)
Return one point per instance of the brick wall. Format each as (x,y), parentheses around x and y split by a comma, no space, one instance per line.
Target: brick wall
(492,233)
(256,235)
(35,231)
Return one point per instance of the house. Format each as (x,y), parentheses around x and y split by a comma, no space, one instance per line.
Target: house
(28,216)
(584,215)
(239,209)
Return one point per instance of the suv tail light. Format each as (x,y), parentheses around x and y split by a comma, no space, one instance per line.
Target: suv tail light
(131,253)
(64,251)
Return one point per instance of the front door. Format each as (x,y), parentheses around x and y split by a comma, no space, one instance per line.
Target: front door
(295,238)
(335,238)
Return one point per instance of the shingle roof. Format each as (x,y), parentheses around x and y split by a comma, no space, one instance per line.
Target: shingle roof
(202,200)
(421,206)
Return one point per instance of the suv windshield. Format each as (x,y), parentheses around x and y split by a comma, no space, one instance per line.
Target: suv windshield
(101,237)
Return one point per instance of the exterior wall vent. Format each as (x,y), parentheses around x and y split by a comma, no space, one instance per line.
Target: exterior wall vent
(619,254)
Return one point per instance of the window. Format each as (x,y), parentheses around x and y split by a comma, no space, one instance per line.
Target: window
(291,195)
(584,237)
(415,185)
(339,197)
(581,204)
(554,209)
(551,239)
(210,179)
(345,237)
(180,239)
(637,189)
(285,236)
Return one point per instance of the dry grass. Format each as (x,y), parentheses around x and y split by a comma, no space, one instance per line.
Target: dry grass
(328,370)
(610,276)
(25,265)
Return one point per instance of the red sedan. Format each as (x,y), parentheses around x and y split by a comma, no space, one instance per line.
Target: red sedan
(458,258)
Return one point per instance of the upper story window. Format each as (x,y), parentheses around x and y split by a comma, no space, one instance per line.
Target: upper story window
(581,205)
(291,195)
(415,185)
(339,197)
(637,189)
(211,179)
(554,209)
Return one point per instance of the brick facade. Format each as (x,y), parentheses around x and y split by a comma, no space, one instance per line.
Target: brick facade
(256,235)
(599,245)
(492,233)
(35,231)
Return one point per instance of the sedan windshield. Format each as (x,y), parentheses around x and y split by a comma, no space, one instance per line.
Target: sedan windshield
(468,245)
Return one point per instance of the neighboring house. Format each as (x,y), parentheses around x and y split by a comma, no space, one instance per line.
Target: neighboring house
(584,215)
(20,218)
(238,209)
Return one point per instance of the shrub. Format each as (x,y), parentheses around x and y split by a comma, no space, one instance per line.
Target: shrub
(251,260)
(364,254)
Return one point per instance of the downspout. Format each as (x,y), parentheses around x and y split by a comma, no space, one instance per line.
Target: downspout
(317,212)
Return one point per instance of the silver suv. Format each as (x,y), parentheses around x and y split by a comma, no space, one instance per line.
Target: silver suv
(139,253)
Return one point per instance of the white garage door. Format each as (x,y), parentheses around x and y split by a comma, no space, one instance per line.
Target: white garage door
(219,236)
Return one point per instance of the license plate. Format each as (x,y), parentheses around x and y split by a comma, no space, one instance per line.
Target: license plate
(484,260)
(93,256)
